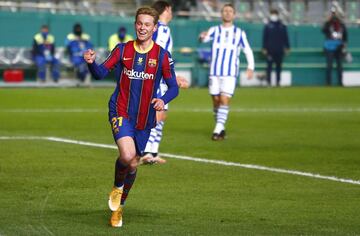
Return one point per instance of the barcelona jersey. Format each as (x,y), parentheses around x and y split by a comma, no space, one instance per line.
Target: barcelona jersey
(138,76)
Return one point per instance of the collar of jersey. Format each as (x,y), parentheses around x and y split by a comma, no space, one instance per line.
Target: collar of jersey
(136,47)
(162,23)
(231,27)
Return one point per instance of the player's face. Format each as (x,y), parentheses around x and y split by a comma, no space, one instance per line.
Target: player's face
(228,14)
(144,27)
(169,12)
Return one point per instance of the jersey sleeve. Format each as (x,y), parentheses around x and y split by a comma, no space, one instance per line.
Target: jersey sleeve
(168,73)
(100,71)
(245,46)
(210,35)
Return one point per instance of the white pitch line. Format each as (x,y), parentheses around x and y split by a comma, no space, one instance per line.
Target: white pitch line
(56,110)
(197,110)
(188,158)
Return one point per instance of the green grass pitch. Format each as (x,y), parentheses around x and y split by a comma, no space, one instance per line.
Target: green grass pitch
(55,188)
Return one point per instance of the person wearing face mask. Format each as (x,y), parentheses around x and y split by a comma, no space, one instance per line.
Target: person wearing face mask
(120,37)
(335,42)
(275,45)
(43,51)
(77,43)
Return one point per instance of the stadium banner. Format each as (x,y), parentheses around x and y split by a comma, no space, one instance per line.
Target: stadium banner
(259,79)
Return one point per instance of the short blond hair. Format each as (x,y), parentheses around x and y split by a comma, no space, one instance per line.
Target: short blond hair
(148,11)
(228,5)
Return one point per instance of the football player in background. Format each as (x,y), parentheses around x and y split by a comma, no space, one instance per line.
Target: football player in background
(227,42)
(162,37)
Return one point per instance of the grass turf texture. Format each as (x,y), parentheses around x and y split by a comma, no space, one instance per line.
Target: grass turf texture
(56,188)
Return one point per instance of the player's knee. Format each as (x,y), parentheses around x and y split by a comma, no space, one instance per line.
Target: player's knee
(224,99)
(127,157)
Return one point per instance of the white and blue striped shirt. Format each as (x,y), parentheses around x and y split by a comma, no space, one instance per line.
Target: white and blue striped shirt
(227,43)
(163,37)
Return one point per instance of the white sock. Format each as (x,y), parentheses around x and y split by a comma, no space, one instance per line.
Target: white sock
(159,132)
(151,140)
(122,186)
(221,118)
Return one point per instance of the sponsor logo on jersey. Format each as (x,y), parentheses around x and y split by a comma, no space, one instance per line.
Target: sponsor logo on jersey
(141,75)
(140,61)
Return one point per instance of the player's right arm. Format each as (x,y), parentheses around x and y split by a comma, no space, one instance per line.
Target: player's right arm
(207,36)
(100,71)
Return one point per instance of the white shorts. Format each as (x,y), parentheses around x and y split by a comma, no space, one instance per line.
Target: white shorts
(161,91)
(224,85)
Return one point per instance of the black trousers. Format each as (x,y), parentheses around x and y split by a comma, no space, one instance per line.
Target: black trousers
(330,56)
(277,59)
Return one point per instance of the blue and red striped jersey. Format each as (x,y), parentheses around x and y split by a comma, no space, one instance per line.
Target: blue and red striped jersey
(138,76)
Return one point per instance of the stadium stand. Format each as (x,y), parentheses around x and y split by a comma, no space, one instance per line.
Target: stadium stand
(305,37)
(297,10)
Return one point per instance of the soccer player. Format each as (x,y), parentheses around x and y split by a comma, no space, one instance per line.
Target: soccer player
(132,107)
(162,37)
(227,42)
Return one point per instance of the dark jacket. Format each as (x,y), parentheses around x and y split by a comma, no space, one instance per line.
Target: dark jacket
(335,34)
(275,37)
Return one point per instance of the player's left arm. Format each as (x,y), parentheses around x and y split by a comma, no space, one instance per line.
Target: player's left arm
(248,54)
(169,77)
(100,71)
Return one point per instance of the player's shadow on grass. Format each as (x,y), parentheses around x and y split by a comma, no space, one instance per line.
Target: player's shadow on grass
(101,217)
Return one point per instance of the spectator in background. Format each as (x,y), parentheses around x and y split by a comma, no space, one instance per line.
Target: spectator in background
(335,42)
(77,43)
(275,45)
(119,37)
(43,54)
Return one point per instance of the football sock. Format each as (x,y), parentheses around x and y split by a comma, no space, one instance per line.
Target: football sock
(221,118)
(120,173)
(159,132)
(151,140)
(128,182)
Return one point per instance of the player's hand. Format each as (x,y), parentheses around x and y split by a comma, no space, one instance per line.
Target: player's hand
(287,51)
(89,56)
(202,36)
(158,104)
(249,73)
(182,82)
(264,51)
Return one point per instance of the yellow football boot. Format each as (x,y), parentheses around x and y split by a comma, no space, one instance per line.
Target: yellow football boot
(116,218)
(115,198)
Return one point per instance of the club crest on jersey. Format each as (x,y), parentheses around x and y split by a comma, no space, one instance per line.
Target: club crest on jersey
(152,62)
(140,61)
